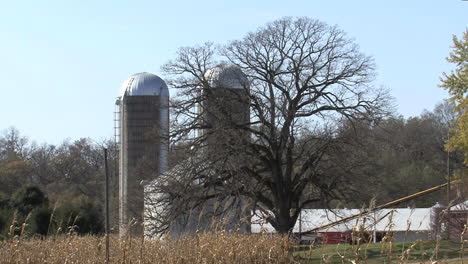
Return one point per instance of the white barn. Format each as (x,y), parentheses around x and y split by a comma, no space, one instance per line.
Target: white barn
(406,224)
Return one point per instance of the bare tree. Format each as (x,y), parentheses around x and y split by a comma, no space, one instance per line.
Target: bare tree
(304,78)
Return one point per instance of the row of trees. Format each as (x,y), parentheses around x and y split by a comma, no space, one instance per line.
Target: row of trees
(52,188)
(71,167)
(401,156)
(388,159)
(28,212)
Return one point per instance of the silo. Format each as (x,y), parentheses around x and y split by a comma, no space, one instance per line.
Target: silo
(224,108)
(224,111)
(143,143)
(437,222)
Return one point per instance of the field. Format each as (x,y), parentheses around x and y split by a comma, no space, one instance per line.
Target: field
(220,248)
(201,248)
(416,252)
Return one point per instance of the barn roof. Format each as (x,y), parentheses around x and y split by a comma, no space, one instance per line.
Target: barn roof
(399,219)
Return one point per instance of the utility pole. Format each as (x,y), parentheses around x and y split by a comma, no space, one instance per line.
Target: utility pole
(448,189)
(107,204)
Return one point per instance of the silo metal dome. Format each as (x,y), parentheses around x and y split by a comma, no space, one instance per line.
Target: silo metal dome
(224,104)
(226,76)
(143,84)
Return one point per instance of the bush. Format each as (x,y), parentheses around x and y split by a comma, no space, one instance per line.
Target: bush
(40,220)
(27,198)
(2,222)
(4,212)
(6,219)
(81,214)
(4,202)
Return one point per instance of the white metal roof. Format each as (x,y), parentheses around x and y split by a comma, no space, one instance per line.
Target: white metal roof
(144,83)
(226,76)
(460,206)
(399,219)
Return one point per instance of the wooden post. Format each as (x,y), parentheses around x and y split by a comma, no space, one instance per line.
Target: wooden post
(106,205)
(300,226)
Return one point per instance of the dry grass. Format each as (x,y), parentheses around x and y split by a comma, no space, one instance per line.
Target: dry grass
(402,253)
(201,248)
(221,247)
(218,247)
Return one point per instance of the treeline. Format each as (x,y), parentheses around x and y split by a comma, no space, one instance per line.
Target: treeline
(28,212)
(53,188)
(397,157)
(383,160)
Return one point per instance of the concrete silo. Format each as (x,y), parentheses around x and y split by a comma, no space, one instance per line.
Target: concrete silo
(143,143)
(224,108)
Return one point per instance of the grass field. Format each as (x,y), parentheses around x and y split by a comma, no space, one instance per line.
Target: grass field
(220,248)
(417,252)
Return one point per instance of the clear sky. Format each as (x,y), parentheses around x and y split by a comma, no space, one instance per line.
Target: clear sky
(62,62)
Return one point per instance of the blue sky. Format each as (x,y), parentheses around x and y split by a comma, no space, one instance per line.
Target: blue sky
(62,62)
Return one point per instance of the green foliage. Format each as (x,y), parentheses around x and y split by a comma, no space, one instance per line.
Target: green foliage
(13,174)
(64,172)
(27,198)
(40,220)
(400,157)
(80,215)
(28,205)
(5,212)
(4,202)
(456,82)
(3,221)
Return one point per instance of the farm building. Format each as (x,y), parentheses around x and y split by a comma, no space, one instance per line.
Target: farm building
(184,216)
(404,224)
(459,220)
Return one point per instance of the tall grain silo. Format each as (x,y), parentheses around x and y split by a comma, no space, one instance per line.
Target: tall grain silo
(224,108)
(224,111)
(143,143)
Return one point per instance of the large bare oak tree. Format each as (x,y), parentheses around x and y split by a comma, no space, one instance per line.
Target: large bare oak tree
(304,78)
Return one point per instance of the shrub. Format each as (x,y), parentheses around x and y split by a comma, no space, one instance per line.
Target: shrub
(4,212)
(40,220)
(2,221)
(4,202)
(81,214)
(27,198)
